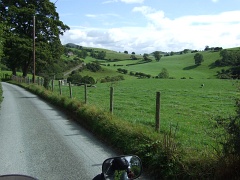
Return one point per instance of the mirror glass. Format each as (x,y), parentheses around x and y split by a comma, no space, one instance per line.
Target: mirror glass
(122,167)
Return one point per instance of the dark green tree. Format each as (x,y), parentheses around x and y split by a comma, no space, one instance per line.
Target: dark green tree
(206,48)
(19,43)
(75,78)
(88,80)
(101,55)
(133,57)
(198,58)
(164,74)
(185,51)
(145,56)
(2,40)
(157,55)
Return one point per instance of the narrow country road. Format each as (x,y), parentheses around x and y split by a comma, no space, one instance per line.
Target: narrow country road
(40,141)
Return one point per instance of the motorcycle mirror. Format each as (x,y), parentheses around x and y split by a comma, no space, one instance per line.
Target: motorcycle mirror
(122,167)
(16,177)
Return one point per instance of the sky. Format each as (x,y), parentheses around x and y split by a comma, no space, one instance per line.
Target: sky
(145,26)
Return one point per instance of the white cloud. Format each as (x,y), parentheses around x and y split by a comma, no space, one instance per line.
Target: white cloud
(110,1)
(163,33)
(215,1)
(132,1)
(125,1)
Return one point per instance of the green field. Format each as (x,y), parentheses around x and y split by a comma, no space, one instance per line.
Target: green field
(185,104)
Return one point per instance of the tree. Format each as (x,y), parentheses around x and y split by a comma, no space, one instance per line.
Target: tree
(145,56)
(126,52)
(206,48)
(198,58)
(133,57)
(157,55)
(88,80)
(1,39)
(18,48)
(101,55)
(185,51)
(75,78)
(164,74)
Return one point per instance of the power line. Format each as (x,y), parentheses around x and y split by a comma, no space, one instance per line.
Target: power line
(56,1)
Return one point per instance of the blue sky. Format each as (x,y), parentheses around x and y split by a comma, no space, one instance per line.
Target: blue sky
(144,26)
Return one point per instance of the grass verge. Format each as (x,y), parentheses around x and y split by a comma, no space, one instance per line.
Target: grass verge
(1,92)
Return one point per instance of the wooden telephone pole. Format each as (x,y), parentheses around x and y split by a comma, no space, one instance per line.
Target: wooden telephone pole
(34,63)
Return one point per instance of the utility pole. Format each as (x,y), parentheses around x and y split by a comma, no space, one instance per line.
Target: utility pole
(34,63)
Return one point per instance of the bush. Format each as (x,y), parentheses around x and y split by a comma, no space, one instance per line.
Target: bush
(164,74)
(229,157)
(75,78)
(88,80)
(94,67)
(112,79)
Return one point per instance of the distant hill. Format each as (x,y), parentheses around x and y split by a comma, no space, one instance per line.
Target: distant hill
(71,45)
(180,65)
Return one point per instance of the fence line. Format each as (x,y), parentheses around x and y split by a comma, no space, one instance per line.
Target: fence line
(111,105)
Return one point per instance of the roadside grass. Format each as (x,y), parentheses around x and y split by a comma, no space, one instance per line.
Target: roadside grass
(1,93)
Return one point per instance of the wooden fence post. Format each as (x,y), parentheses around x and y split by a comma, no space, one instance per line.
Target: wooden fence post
(85,93)
(42,81)
(70,89)
(60,86)
(158,103)
(52,85)
(111,99)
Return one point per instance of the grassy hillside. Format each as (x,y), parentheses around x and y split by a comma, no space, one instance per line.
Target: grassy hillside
(178,66)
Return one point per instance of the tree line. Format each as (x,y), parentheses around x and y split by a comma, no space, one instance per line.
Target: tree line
(18,21)
(230,59)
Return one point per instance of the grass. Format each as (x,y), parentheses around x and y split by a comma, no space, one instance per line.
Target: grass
(184,103)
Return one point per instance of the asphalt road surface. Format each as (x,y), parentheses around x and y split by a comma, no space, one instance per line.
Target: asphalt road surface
(40,141)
